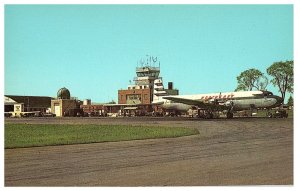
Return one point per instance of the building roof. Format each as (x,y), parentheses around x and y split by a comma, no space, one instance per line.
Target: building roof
(29,101)
(63,93)
(9,101)
(130,108)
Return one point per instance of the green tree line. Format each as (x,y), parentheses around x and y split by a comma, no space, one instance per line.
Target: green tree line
(282,77)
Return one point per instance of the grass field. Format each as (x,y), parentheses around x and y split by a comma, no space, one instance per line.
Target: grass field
(30,135)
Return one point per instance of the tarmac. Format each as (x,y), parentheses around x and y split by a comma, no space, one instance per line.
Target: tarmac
(239,151)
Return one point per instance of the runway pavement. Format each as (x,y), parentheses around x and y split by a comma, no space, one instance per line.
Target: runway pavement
(241,151)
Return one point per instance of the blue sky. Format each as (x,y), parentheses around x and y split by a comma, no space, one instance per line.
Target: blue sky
(93,49)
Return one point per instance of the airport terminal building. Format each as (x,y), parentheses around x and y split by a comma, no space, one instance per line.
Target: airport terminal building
(136,99)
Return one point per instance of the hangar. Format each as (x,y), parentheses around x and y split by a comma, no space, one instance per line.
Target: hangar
(27,103)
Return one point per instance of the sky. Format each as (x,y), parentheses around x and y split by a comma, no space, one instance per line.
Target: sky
(93,49)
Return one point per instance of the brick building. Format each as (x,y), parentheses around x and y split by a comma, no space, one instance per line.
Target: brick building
(141,91)
(65,105)
(134,96)
(147,88)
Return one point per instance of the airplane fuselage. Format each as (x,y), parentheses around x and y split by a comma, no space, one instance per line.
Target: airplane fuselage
(233,100)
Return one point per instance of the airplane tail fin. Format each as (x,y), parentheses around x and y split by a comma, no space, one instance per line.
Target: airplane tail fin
(158,91)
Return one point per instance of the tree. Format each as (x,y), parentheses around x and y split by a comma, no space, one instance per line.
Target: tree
(290,101)
(112,102)
(283,76)
(251,78)
(261,83)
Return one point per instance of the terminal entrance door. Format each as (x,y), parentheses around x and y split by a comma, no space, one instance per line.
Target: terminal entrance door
(57,110)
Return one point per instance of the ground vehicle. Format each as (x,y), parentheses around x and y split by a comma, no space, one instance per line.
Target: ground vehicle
(280,114)
(48,115)
(7,114)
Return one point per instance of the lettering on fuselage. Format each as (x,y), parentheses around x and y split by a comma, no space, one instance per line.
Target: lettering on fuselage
(217,97)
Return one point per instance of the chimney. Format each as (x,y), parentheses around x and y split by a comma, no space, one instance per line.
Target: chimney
(170,85)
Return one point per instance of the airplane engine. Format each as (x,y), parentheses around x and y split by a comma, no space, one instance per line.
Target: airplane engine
(216,101)
(212,101)
(229,103)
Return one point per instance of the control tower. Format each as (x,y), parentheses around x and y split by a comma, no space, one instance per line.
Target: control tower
(147,84)
(141,90)
(146,73)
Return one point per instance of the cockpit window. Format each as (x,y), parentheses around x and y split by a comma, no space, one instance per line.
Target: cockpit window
(268,93)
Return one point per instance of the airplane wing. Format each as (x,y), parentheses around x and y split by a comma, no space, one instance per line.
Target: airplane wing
(186,101)
(194,102)
(157,103)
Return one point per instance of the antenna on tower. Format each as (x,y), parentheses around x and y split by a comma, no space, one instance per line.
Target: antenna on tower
(154,60)
(142,62)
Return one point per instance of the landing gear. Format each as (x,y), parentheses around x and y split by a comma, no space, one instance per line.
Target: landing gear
(205,114)
(269,114)
(252,108)
(209,115)
(229,115)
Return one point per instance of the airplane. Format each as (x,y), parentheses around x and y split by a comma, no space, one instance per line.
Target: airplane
(229,101)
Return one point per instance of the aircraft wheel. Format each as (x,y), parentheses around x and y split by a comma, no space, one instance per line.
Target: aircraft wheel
(229,115)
